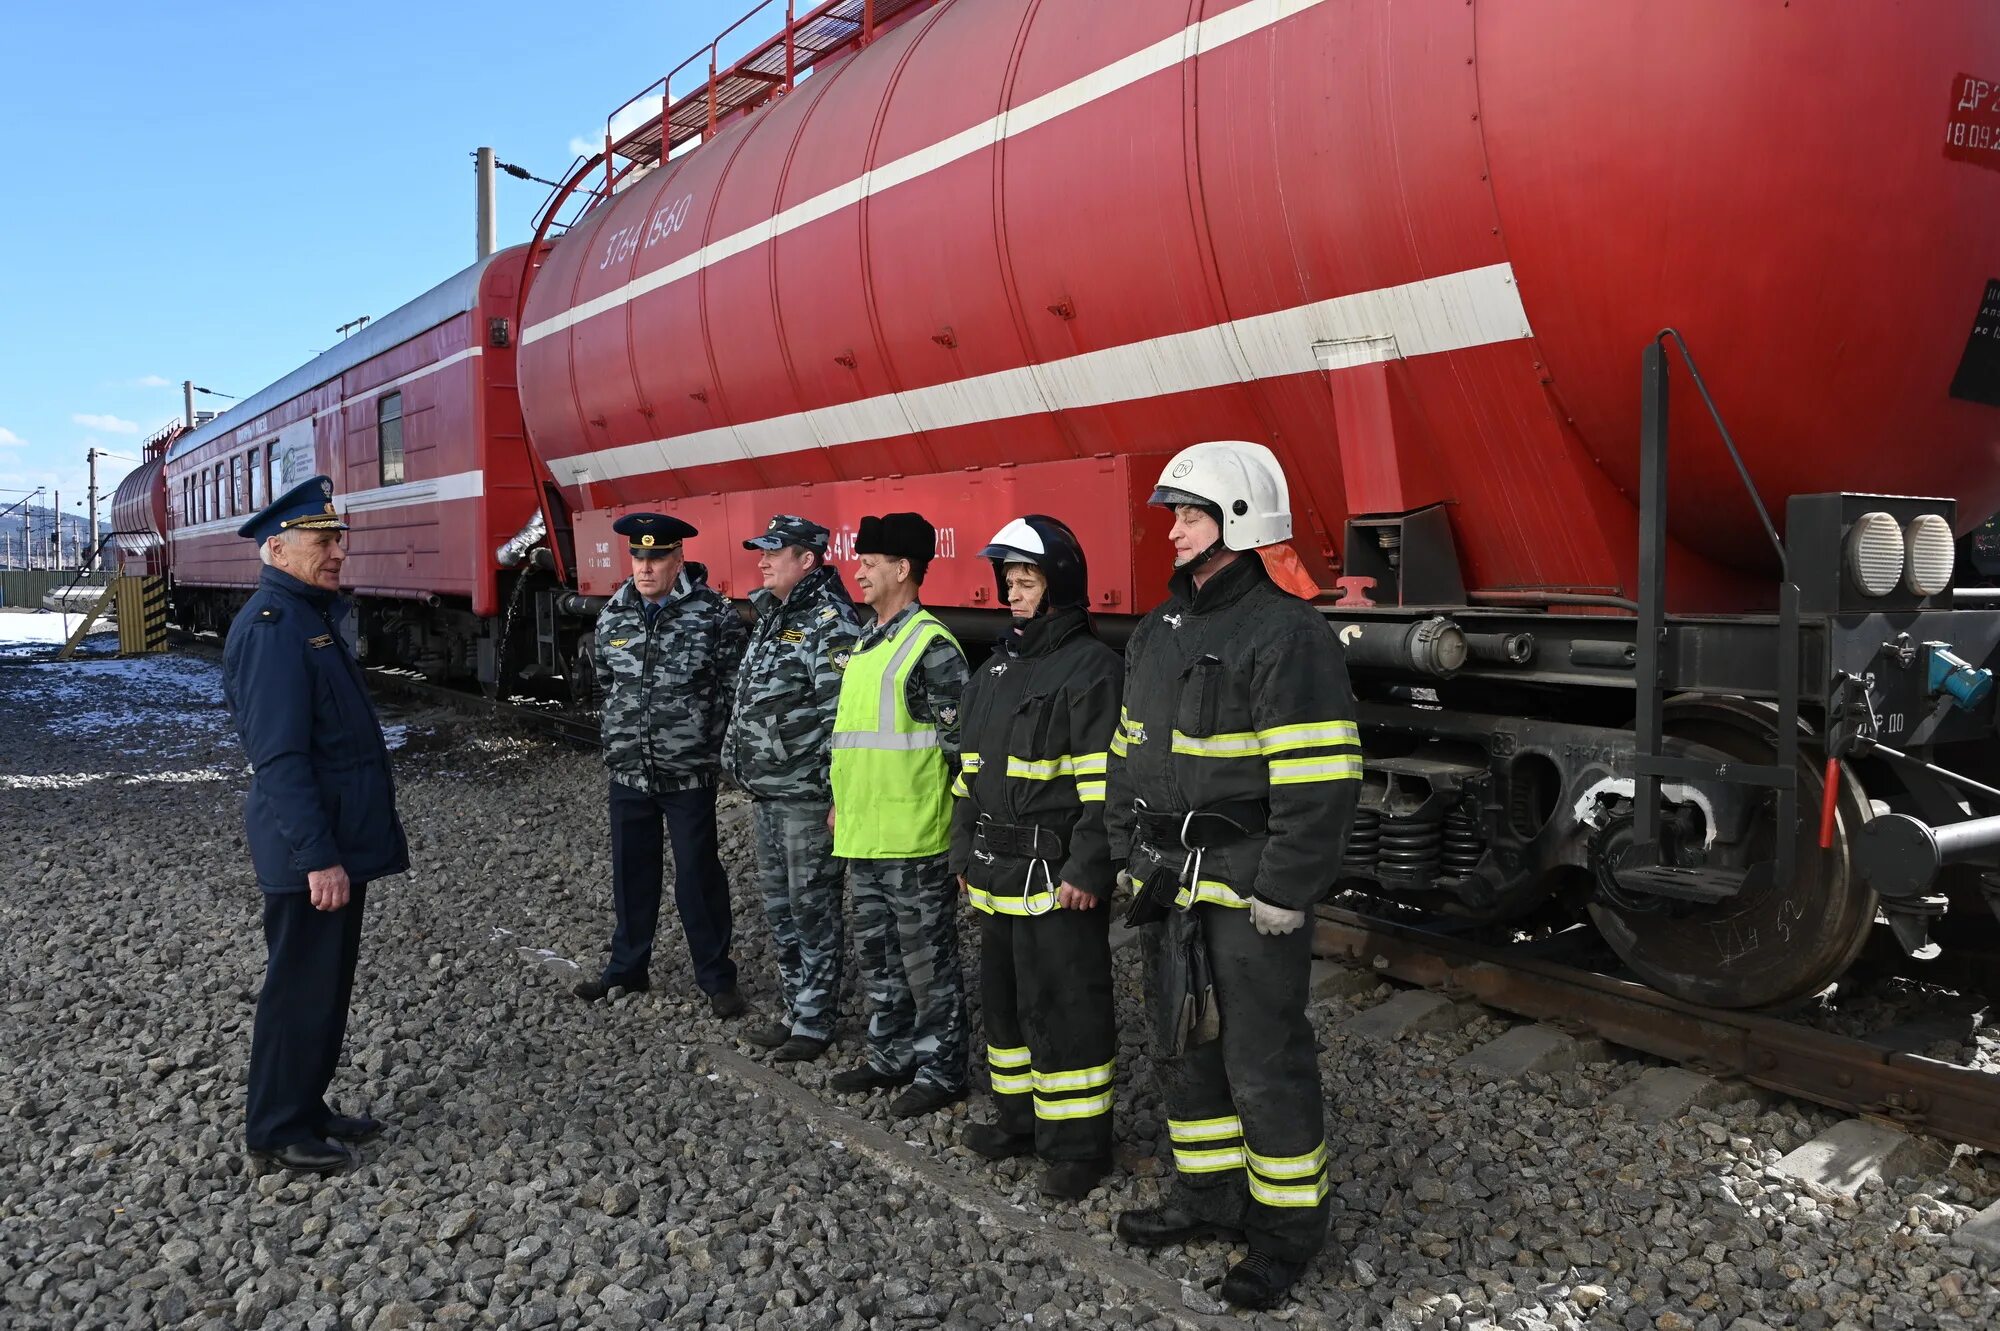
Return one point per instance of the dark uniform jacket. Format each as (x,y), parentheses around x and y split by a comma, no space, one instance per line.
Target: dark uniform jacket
(665,678)
(1237,694)
(321,792)
(1037,723)
(779,743)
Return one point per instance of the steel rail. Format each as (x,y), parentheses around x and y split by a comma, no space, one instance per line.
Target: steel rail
(1946,1100)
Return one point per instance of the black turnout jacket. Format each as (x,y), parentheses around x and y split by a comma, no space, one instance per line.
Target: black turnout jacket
(1236,694)
(1037,722)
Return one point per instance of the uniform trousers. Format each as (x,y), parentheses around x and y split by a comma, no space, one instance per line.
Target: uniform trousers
(301,1016)
(1051,1036)
(906,931)
(800,882)
(1244,1110)
(638,874)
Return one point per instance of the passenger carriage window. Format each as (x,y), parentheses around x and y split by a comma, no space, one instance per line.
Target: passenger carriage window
(235,485)
(265,454)
(389,437)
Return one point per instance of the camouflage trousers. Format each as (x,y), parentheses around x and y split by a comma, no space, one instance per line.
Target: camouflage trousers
(800,882)
(906,930)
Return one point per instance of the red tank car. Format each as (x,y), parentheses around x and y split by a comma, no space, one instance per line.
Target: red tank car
(998,255)
(137,544)
(1411,247)
(417,421)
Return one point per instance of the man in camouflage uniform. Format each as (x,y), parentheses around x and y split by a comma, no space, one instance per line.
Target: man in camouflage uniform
(777,749)
(667,649)
(895,754)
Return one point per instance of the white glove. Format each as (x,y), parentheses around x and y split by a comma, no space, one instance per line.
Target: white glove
(1272,921)
(1126,882)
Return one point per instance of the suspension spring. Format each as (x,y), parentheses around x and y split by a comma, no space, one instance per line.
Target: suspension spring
(1364,841)
(1463,845)
(1410,847)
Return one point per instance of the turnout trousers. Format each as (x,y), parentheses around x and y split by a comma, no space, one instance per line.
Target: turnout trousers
(1244,1110)
(301,1016)
(906,931)
(1051,1037)
(638,872)
(800,882)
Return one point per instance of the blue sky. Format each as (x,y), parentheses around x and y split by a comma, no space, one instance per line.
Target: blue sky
(205,190)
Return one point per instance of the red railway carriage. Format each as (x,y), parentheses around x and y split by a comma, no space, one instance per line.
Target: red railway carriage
(977,256)
(417,421)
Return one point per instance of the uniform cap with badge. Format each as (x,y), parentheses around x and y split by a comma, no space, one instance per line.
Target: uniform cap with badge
(307,506)
(790,529)
(653,535)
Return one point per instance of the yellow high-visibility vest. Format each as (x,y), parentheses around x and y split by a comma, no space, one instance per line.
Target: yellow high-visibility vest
(891,784)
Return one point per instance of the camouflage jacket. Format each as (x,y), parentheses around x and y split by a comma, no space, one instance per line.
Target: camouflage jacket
(666,680)
(781,726)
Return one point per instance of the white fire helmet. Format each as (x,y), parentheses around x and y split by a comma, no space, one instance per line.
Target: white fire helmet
(1240,479)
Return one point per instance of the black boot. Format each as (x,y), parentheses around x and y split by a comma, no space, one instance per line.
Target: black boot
(995,1142)
(1260,1280)
(1072,1180)
(768,1034)
(1164,1226)
(592,990)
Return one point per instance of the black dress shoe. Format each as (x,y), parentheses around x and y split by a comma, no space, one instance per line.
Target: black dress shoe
(1164,1226)
(866,1078)
(352,1127)
(1072,1180)
(311,1157)
(728,1003)
(924,1098)
(768,1034)
(996,1143)
(592,990)
(799,1049)
(1260,1280)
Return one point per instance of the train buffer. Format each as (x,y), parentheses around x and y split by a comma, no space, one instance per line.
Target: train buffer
(141,611)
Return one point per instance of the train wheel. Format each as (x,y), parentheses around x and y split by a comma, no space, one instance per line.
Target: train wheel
(1773,943)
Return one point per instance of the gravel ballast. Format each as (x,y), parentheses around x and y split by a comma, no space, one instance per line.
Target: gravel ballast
(632,1164)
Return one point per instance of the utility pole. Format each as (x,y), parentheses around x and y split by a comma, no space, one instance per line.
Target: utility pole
(55,542)
(489,224)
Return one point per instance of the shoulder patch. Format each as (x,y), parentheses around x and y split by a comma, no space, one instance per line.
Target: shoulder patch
(841,654)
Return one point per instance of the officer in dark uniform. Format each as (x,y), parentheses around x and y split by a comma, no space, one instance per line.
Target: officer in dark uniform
(668,647)
(321,818)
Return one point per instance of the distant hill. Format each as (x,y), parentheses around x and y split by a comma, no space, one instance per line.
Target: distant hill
(75,535)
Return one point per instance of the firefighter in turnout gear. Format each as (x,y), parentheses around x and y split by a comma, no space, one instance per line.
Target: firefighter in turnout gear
(1234,777)
(778,749)
(895,748)
(667,648)
(1027,841)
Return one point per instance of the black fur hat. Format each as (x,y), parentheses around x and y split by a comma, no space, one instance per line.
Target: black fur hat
(898,535)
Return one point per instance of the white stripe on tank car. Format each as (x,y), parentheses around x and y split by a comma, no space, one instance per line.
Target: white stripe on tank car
(1473,308)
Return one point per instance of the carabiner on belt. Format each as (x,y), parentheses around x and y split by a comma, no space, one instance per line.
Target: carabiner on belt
(1028,890)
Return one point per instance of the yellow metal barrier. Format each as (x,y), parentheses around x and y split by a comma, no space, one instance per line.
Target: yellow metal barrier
(142,616)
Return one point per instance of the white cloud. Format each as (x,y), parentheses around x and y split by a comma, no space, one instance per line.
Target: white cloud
(8,439)
(152,381)
(108,424)
(583,147)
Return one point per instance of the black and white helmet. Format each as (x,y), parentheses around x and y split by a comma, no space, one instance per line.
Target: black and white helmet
(1050,546)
